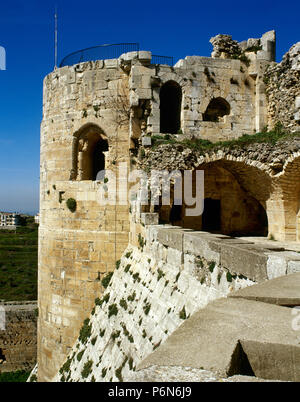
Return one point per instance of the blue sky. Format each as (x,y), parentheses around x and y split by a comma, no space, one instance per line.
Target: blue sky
(166,27)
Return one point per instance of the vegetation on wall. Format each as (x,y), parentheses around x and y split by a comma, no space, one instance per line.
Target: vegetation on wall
(271,137)
(71,204)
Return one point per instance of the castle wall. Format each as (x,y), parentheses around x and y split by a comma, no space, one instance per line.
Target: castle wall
(164,276)
(76,248)
(18,336)
(202,79)
(118,101)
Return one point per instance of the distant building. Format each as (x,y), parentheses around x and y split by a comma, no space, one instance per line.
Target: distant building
(11,219)
(37,218)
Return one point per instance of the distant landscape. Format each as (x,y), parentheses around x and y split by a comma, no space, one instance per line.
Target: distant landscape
(18,263)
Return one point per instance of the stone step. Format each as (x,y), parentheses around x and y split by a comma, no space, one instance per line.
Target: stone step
(283,291)
(235,337)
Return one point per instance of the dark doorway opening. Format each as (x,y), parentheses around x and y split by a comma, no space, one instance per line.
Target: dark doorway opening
(176,213)
(170,107)
(99,158)
(2,356)
(211,217)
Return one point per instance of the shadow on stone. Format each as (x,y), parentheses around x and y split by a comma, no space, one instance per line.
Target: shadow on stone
(239,363)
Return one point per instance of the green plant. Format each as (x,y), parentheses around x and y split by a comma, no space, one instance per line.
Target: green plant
(127,268)
(132,297)
(211,266)
(102,332)
(182,314)
(130,363)
(141,241)
(71,204)
(112,310)
(160,274)
(229,277)
(146,308)
(128,254)
(118,372)
(115,335)
(87,369)
(66,366)
(79,355)
(85,331)
(106,280)
(123,304)
(104,371)
(93,341)
(136,277)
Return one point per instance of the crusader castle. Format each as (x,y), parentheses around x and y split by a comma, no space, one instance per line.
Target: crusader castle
(135,109)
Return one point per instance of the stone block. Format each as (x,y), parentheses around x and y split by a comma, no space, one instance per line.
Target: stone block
(241,260)
(149,218)
(171,238)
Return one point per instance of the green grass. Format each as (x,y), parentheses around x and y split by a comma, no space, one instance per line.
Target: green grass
(18,264)
(16,376)
(271,137)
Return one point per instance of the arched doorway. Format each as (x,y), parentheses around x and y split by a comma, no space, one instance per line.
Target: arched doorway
(229,208)
(170,107)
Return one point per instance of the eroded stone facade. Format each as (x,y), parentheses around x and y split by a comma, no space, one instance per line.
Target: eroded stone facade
(18,336)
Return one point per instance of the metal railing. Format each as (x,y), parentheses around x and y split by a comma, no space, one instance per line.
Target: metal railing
(162,60)
(101,52)
(104,52)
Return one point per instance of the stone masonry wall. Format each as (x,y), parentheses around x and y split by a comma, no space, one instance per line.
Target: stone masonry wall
(77,248)
(157,285)
(283,90)
(18,338)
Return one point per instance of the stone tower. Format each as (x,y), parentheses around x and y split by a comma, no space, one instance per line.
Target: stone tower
(84,130)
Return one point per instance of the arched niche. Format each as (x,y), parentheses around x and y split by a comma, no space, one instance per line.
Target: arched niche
(88,153)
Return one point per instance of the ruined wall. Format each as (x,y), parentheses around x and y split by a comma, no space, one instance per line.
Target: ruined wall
(202,79)
(283,90)
(18,338)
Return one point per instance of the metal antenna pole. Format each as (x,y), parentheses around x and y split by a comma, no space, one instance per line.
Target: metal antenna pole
(55,39)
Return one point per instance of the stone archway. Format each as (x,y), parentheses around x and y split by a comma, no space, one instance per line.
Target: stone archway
(88,152)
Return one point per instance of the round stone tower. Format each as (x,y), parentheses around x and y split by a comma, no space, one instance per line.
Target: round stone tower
(84,131)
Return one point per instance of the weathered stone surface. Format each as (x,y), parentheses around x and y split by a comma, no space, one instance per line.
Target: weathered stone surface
(211,339)
(18,338)
(283,291)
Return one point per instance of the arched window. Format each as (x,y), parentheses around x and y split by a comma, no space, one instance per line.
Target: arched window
(170,107)
(89,149)
(217,108)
